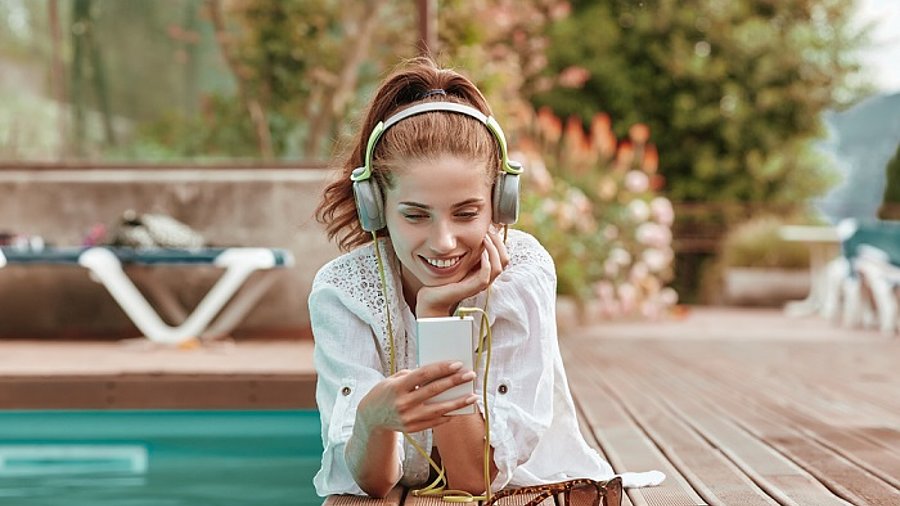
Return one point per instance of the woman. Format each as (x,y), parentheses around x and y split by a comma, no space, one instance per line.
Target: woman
(434,178)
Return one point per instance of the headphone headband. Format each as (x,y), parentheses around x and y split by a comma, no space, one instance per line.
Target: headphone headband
(487,121)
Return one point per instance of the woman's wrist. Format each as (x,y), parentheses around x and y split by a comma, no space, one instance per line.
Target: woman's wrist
(430,311)
(422,312)
(368,427)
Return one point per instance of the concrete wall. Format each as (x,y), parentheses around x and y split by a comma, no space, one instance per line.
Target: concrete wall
(247,207)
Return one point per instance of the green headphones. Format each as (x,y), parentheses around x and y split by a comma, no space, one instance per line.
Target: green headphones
(367,194)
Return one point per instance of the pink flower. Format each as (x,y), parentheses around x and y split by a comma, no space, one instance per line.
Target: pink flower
(639,210)
(574,77)
(540,176)
(620,256)
(657,259)
(668,296)
(610,232)
(639,272)
(636,181)
(628,295)
(662,211)
(653,234)
(604,290)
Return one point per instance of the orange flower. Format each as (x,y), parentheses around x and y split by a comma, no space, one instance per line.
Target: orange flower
(575,132)
(602,136)
(550,125)
(651,159)
(639,133)
(624,156)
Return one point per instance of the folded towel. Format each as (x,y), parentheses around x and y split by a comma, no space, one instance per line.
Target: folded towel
(645,479)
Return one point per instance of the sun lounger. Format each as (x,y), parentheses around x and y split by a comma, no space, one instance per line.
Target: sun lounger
(106,267)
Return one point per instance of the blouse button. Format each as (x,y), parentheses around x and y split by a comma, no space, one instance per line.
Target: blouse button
(502,389)
(345,391)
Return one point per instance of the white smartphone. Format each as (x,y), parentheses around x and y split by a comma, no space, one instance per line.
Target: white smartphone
(449,338)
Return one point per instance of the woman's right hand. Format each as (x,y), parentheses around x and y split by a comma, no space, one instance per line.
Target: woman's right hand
(398,403)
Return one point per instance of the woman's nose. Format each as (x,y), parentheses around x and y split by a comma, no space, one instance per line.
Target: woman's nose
(443,238)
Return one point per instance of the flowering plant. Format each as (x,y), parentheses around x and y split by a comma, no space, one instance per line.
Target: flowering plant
(593,202)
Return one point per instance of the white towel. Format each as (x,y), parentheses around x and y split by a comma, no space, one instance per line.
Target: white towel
(646,479)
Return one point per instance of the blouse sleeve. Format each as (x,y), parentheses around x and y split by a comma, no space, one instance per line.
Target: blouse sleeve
(347,364)
(522,373)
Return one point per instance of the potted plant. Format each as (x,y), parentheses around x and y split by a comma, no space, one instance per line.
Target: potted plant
(760,268)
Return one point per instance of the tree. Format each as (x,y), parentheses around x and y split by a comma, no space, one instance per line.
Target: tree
(890,204)
(733,91)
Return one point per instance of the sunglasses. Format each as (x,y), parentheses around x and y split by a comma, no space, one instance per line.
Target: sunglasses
(581,492)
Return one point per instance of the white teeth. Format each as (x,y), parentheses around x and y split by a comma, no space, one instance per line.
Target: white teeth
(442,263)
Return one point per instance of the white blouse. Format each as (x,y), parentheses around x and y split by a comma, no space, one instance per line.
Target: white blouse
(534,431)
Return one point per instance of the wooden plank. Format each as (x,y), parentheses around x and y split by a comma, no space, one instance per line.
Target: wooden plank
(841,374)
(809,391)
(817,420)
(623,441)
(412,500)
(591,440)
(395,498)
(846,475)
(712,475)
(779,477)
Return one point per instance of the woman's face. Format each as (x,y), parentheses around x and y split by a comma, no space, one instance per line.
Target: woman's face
(438,212)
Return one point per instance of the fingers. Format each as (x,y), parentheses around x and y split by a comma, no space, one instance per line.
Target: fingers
(436,387)
(415,388)
(497,239)
(435,414)
(427,374)
(493,256)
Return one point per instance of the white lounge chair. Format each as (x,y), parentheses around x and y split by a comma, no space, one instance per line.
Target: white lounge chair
(106,267)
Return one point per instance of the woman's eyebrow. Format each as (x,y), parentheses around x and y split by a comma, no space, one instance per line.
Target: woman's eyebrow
(467,202)
(414,204)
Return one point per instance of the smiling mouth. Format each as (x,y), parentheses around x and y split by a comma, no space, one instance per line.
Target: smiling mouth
(442,263)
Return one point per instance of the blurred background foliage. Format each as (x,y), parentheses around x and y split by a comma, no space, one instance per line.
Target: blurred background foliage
(730,95)
(733,91)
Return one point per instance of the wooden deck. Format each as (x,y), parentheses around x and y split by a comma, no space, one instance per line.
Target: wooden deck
(742,410)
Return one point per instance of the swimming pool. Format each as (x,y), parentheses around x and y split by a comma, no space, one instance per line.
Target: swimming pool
(158,458)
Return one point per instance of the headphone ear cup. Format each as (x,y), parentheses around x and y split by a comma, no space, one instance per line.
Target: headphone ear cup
(506,199)
(369,205)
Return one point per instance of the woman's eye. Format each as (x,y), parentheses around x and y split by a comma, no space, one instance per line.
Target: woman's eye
(467,214)
(415,217)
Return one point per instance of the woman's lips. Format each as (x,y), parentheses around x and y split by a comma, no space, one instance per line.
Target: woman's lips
(444,267)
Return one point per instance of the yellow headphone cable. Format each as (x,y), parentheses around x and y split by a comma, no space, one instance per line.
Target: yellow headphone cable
(438,486)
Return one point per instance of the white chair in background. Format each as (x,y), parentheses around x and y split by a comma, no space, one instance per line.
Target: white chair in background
(882,278)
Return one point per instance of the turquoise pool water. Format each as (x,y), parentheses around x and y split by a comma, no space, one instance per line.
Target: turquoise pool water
(158,458)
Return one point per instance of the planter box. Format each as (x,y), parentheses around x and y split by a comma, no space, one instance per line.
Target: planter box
(765,286)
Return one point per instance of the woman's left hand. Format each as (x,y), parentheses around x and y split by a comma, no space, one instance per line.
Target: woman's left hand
(442,300)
